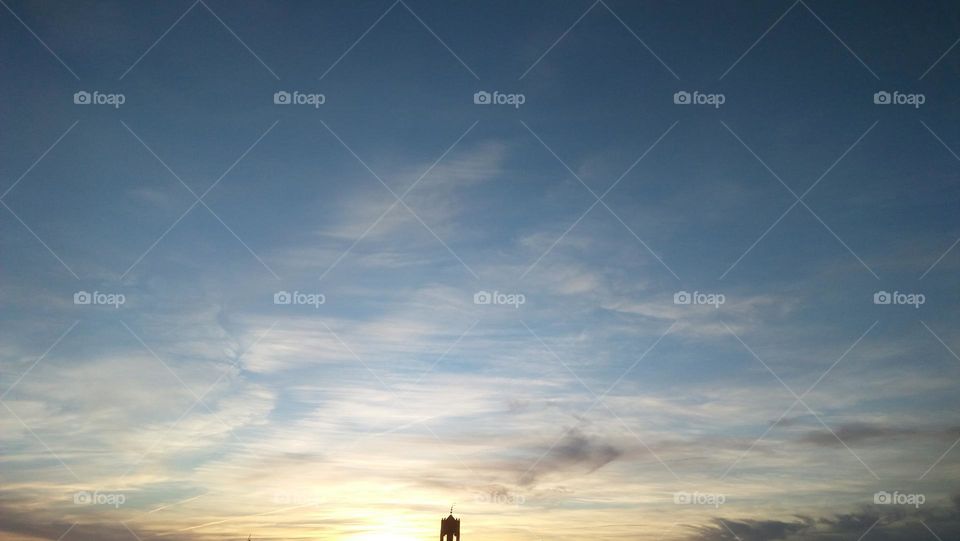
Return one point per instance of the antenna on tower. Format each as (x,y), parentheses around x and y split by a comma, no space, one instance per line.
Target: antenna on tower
(451,509)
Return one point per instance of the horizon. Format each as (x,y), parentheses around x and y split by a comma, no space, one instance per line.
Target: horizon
(296,270)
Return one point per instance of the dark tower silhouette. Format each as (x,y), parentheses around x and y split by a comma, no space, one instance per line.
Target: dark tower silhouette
(450,528)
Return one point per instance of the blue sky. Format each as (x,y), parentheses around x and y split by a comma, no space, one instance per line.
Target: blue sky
(215,412)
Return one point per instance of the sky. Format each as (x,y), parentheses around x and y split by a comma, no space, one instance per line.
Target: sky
(629,270)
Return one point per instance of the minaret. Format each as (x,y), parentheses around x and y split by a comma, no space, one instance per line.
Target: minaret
(450,528)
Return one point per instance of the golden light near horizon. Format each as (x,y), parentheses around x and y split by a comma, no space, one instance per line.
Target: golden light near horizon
(394,528)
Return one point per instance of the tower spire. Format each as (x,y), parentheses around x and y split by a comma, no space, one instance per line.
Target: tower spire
(450,528)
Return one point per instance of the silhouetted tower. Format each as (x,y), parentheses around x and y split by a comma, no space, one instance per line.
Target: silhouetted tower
(450,528)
